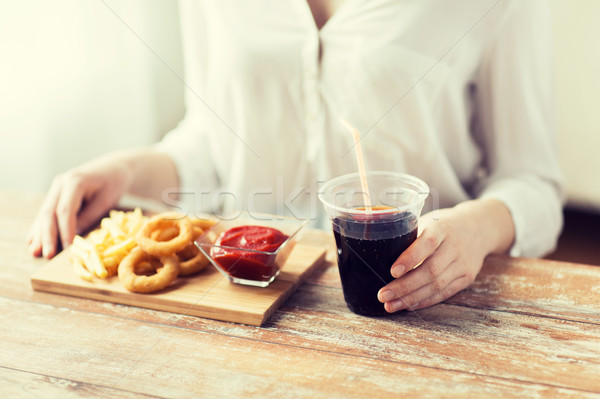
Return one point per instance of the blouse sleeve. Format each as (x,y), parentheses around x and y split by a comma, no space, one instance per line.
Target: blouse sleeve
(188,145)
(514,123)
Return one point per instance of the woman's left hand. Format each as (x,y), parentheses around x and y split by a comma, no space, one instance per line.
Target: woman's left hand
(448,254)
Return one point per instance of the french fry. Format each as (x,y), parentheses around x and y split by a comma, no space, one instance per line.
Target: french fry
(112,264)
(135,222)
(76,251)
(121,248)
(81,270)
(97,265)
(113,228)
(100,253)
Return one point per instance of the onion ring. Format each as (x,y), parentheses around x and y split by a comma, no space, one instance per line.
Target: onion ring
(165,274)
(163,221)
(191,259)
(204,224)
(165,234)
(147,267)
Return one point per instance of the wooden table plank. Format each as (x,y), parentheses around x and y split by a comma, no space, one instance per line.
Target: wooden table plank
(532,286)
(22,384)
(521,329)
(178,362)
(519,347)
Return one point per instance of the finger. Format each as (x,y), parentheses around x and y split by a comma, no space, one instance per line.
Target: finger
(35,244)
(66,211)
(452,289)
(435,287)
(93,211)
(49,235)
(45,231)
(430,270)
(423,247)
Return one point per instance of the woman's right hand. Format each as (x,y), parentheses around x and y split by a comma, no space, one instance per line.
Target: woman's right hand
(75,201)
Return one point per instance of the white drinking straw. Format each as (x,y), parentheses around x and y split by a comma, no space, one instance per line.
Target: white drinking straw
(361,164)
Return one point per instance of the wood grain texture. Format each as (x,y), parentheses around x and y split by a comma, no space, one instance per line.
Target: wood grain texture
(22,384)
(149,359)
(512,334)
(534,286)
(523,348)
(512,346)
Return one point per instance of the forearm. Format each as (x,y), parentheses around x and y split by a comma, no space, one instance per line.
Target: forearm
(494,221)
(145,172)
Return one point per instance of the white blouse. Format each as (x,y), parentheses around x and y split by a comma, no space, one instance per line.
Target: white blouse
(456,92)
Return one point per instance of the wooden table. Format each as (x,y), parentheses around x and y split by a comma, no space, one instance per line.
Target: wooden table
(524,328)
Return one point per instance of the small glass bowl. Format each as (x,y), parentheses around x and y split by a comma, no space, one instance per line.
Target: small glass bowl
(252,267)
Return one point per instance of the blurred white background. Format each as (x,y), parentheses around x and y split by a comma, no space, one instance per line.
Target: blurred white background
(577,62)
(76,82)
(78,78)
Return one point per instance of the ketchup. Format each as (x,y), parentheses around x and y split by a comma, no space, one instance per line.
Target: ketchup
(248,265)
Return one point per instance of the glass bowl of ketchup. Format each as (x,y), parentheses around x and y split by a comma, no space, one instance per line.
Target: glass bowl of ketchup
(251,249)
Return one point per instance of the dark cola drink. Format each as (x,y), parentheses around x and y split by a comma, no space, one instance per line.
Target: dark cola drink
(367,246)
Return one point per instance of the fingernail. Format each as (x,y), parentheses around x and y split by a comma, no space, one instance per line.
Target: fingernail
(397,270)
(397,305)
(386,296)
(46,250)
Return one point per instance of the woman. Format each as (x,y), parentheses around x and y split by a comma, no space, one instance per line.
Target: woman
(457,94)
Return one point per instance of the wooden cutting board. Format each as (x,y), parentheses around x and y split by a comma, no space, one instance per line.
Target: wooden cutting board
(207,294)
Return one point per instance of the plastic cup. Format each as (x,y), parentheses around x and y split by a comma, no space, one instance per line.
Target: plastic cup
(368,242)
